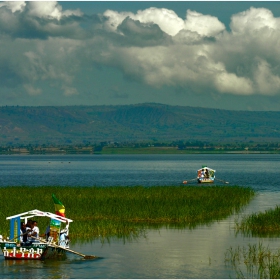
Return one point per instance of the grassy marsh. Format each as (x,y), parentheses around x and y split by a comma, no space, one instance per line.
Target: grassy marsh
(265,223)
(126,211)
(254,262)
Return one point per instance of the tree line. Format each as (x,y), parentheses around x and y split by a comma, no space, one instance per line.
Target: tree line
(106,145)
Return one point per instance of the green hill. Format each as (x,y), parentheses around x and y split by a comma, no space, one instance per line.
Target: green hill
(141,122)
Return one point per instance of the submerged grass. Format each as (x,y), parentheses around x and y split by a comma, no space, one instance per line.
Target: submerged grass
(118,211)
(254,262)
(261,224)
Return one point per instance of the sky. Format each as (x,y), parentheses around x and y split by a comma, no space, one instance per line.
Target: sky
(212,54)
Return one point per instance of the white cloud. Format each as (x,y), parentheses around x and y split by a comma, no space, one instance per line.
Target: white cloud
(115,19)
(45,9)
(267,82)
(14,6)
(41,9)
(167,20)
(154,47)
(31,90)
(252,20)
(204,25)
(230,83)
(226,65)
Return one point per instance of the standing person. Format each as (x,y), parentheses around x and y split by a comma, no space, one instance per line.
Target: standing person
(47,232)
(202,173)
(64,236)
(23,232)
(28,230)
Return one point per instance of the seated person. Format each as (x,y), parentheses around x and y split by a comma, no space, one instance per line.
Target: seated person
(33,234)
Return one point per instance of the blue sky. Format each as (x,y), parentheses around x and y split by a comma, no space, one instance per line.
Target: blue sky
(218,54)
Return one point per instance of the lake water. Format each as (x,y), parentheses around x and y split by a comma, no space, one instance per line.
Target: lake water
(163,253)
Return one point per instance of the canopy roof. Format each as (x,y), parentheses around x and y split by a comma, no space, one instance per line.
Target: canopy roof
(38,213)
(205,167)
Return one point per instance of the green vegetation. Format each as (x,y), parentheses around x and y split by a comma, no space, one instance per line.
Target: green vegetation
(152,147)
(82,125)
(254,262)
(261,224)
(126,211)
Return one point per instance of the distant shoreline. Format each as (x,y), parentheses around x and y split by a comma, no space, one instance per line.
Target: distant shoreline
(120,151)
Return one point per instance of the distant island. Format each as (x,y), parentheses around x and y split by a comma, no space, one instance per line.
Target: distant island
(145,128)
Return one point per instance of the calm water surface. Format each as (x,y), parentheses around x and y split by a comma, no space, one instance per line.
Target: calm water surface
(258,171)
(162,253)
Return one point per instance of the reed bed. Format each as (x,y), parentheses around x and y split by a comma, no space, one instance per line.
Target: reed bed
(254,262)
(125,211)
(261,224)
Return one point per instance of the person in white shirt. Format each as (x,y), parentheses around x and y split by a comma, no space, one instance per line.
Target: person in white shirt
(33,235)
(64,237)
(28,225)
(202,173)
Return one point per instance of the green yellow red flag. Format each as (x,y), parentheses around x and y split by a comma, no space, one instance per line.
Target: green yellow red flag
(59,207)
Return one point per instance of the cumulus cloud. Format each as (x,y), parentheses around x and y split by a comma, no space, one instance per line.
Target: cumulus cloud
(41,42)
(168,21)
(204,25)
(48,9)
(254,20)
(203,55)
(13,6)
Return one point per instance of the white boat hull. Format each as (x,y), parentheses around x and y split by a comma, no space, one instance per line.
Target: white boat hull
(36,251)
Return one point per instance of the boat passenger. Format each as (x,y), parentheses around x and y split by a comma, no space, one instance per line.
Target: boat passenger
(202,173)
(63,239)
(207,173)
(23,233)
(33,235)
(47,233)
(64,236)
(28,225)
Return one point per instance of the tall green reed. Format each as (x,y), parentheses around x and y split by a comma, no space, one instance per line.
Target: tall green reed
(254,261)
(115,211)
(265,223)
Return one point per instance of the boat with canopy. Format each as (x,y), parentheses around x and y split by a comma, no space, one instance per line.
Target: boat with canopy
(205,175)
(56,244)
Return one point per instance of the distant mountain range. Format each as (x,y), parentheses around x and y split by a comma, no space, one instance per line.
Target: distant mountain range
(141,122)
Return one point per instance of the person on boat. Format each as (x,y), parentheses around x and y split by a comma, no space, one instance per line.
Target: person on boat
(202,173)
(206,173)
(28,225)
(33,235)
(47,232)
(23,233)
(64,236)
